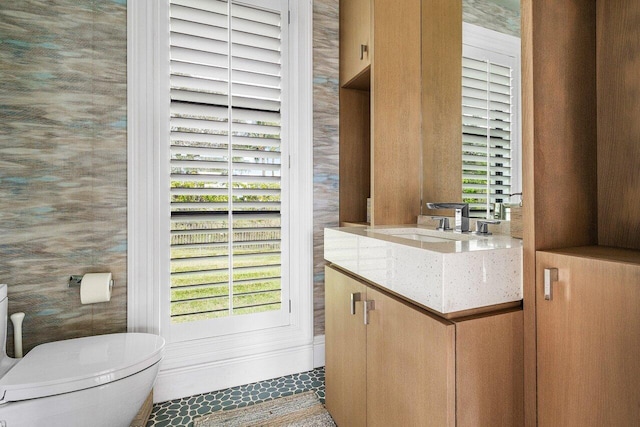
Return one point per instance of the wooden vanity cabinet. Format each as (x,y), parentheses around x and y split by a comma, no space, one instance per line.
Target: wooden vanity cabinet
(355,35)
(410,367)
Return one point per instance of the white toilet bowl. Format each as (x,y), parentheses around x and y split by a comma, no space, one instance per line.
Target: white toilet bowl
(93,381)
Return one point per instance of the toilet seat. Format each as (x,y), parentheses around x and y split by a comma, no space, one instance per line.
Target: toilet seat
(79,363)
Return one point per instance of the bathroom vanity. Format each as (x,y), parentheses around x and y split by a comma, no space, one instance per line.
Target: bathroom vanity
(580,216)
(423,328)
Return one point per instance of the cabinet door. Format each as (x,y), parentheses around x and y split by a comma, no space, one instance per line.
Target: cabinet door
(355,31)
(588,341)
(410,366)
(345,347)
(489,371)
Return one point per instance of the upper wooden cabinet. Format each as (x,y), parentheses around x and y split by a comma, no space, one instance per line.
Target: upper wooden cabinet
(355,39)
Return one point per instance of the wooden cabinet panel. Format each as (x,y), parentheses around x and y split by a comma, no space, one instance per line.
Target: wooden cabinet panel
(410,366)
(618,85)
(345,346)
(489,371)
(355,154)
(588,338)
(396,132)
(355,32)
(441,106)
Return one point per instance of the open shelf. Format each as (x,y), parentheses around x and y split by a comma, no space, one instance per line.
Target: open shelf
(604,253)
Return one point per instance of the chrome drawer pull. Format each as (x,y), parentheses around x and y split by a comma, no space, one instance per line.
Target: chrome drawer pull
(550,276)
(368,306)
(354,298)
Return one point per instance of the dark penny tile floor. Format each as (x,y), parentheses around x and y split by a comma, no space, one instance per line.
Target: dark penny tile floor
(181,412)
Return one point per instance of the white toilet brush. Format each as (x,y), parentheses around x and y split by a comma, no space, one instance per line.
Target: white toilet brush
(16,319)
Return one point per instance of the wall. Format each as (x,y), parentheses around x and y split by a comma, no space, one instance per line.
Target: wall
(62,162)
(497,15)
(63,159)
(325,140)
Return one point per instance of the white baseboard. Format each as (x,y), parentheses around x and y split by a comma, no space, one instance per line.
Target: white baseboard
(318,351)
(203,378)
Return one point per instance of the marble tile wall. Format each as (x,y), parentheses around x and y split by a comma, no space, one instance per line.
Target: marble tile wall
(63,159)
(325,140)
(63,187)
(498,15)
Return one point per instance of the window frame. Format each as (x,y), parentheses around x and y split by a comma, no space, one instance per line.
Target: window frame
(148,198)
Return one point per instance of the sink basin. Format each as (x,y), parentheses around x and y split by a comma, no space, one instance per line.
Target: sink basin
(421,237)
(425,234)
(445,271)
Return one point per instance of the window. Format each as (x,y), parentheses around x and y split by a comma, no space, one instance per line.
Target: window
(490,119)
(228,185)
(213,163)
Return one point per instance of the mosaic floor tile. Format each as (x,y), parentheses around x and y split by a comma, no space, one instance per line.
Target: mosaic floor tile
(180,412)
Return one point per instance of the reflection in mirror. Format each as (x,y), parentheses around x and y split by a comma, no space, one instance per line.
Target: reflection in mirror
(491,135)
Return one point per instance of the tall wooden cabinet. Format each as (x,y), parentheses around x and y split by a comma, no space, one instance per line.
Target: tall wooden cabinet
(408,367)
(400,127)
(581,155)
(380,112)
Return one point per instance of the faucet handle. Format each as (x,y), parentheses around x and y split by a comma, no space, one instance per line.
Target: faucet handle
(443,224)
(461,214)
(482,227)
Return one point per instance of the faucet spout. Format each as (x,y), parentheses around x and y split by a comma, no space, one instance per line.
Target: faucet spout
(461,214)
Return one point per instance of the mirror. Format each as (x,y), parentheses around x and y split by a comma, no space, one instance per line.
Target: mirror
(491,131)
(471,149)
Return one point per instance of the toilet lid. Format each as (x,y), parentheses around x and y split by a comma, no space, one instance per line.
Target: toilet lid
(80,363)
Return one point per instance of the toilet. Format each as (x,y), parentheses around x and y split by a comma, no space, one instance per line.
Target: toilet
(93,381)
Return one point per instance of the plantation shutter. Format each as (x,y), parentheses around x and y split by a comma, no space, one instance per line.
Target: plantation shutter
(226,80)
(486,134)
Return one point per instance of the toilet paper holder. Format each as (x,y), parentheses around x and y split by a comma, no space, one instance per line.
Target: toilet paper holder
(76,279)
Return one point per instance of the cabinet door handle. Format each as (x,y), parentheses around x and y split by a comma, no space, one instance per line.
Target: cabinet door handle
(363,48)
(355,296)
(550,276)
(368,306)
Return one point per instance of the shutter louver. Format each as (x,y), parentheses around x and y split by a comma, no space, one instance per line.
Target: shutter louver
(226,80)
(486,134)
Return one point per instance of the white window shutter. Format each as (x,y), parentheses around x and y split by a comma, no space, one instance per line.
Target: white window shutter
(486,134)
(226,178)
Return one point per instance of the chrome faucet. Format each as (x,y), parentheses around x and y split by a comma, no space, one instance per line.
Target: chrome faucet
(462,214)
